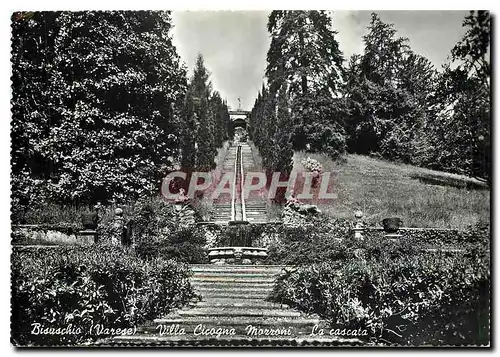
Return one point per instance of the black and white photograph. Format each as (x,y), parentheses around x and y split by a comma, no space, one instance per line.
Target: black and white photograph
(257,178)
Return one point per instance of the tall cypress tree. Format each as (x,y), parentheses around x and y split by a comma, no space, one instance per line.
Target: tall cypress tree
(218,112)
(268,125)
(283,150)
(205,141)
(188,135)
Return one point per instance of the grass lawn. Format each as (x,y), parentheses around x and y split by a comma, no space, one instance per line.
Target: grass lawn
(381,189)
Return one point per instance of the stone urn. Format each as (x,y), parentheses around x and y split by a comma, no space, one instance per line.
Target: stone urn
(90,220)
(392,224)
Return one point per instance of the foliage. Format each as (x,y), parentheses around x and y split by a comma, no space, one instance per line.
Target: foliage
(400,108)
(89,286)
(388,89)
(159,235)
(101,108)
(303,52)
(433,298)
(33,38)
(326,240)
(460,140)
(200,89)
(304,75)
(188,140)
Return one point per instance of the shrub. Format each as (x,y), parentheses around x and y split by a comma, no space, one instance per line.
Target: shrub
(399,293)
(184,245)
(158,234)
(326,239)
(89,286)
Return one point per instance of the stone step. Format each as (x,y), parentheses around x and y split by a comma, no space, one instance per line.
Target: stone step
(232,284)
(230,312)
(230,279)
(240,268)
(261,219)
(241,340)
(207,289)
(233,294)
(235,275)
(241,304)
(232,321)
(220,269)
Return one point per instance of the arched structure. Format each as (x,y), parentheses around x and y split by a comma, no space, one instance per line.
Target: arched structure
(239,118)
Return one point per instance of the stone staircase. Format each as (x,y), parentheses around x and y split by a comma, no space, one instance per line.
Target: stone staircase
(233,311)
(256,211)
(255,206)
(221,213)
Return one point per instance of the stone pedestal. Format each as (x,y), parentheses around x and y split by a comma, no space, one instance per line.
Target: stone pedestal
(359,226)
(87,236)
(393,237)
(117,227)
(185,214)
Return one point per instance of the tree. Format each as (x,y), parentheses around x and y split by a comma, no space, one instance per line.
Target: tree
(114,108)
(303,52)
(268,127)
(459,134)
(118,104)
(218,112)
(474,48)
(388,90)
(200,87)
(33,37)
(188,135)
(282,148)
(305,56)
(229,132)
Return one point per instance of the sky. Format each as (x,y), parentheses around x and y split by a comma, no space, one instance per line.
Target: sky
(234,44)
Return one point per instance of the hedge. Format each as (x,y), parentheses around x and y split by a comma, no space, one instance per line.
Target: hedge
(88,286)
(397,291)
